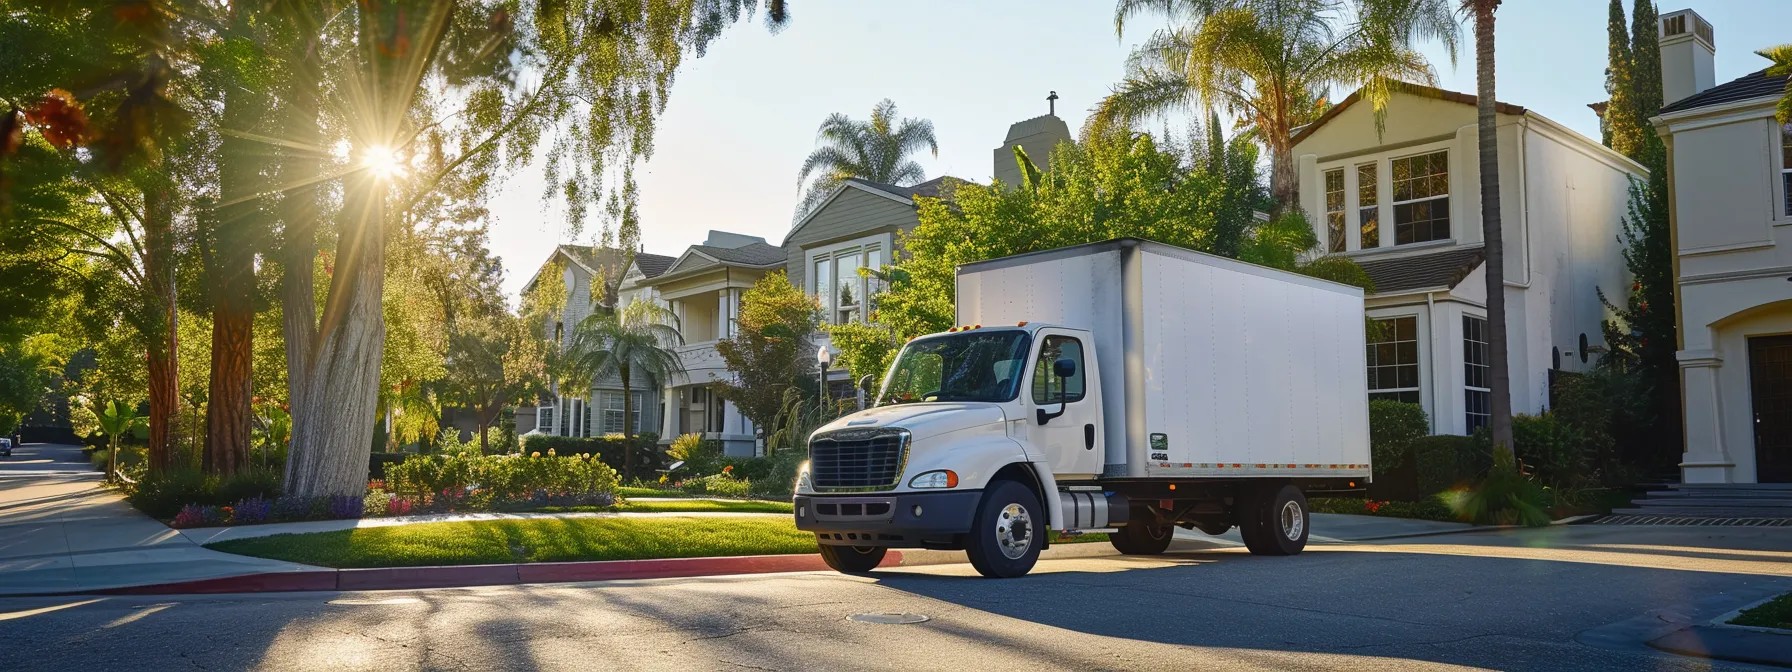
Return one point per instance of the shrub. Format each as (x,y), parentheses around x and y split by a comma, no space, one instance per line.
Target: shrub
(345,507)
(1446,461)
(1505,497)
(721,485)
(375,504)
(1552,450)
(1428,509)
(443,482)
(195,515)
(290,508)
(164,495)
(608,449)
(377,462)
(700,457)
(399,506)
(254,483)
(1393,425)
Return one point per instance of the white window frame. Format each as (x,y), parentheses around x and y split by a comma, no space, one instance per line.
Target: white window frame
(1782,144)
(544,419)
(1394,204)
(610,402)
(854,249)
(1419,338)
(1342,213)
(1468,388)
(1354,196)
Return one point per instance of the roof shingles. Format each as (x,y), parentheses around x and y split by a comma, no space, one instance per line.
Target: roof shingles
(1747,87)
(753,254)
(1443,268)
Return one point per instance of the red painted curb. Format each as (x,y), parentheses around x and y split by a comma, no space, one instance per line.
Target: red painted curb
(455,576)
(274,582)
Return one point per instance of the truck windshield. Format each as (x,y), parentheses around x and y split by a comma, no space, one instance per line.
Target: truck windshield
(970,366)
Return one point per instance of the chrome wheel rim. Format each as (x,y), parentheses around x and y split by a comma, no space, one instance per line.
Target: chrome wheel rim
(1014,531)
(1294,521)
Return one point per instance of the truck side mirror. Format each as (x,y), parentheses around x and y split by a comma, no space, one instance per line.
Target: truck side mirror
(1064,368)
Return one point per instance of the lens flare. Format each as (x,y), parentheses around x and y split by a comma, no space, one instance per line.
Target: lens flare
(383,162)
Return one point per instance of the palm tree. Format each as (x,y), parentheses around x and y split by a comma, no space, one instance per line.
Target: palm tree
(115,421)
(1782,66)
(640,337)
(1499,379)
(1272,62)
(876,149)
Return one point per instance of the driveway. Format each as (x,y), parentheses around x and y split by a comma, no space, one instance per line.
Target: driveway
(60,531)
(1565,597)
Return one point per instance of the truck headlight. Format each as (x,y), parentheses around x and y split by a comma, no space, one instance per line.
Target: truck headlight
(943,478)
(802,478)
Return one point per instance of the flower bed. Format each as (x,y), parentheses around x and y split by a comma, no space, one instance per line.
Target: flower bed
(1426,509)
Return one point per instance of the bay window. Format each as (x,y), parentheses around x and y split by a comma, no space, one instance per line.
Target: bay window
(1394,359)
(1421,198)
(845,295)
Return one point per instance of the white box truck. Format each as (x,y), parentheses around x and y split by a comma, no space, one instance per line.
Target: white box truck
(1125,386)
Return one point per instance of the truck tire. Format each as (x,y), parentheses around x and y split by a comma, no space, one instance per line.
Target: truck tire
(1143,538)
(1273,520)
(1008,532)
(853,559)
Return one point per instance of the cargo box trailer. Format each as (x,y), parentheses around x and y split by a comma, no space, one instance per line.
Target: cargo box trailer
(1125,386)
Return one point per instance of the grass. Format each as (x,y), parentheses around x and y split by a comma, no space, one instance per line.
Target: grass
(627,491)
(1776,613)
(540,540)
(681,506)
(1080,538)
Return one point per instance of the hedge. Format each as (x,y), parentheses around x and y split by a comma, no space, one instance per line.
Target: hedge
(502,478)
(1445,461)
(1393,426)
(649,458)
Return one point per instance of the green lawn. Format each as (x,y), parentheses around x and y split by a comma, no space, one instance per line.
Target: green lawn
(541,540)
(627,491)
(1776,613)
(683,505)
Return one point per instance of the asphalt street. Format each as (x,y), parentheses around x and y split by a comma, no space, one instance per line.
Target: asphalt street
(1565,597)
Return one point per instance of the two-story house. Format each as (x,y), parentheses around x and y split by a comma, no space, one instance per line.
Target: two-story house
(1405,203)
(595,278)
(702,288)
(1730,177)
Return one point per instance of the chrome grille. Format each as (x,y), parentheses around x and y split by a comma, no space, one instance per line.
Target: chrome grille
(857,460)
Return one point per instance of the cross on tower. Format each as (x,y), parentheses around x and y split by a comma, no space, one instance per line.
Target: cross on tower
(1051,102)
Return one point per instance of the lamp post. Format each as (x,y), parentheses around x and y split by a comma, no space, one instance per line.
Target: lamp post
(823,357)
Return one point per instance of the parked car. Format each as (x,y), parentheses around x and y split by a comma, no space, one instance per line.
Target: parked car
(5,447)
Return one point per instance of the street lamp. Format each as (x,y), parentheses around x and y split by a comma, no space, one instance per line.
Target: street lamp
(825,358)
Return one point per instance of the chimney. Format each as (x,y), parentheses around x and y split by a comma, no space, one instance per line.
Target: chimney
(1037,137)
(1688,52)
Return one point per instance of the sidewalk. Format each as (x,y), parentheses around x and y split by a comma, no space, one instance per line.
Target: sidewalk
(61,532)
(209,535)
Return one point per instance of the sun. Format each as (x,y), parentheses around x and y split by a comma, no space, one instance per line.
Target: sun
(383,162)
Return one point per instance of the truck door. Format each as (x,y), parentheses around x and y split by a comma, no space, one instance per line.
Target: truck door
(1070,437)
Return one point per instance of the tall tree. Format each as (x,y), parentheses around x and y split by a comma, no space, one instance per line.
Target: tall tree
(638,339)
(1499,377)
(1273,62)
(876,149)
(1782,67)
(1622,125)
(492,362)
(770,349)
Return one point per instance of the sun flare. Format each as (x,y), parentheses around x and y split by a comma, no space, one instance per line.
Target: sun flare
(383,162)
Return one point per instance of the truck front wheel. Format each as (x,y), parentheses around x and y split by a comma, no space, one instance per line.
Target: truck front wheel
(1142,538)
(853,559)
(1273,520)
(1008,532)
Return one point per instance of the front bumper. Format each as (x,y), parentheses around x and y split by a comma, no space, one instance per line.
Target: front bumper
(889,520)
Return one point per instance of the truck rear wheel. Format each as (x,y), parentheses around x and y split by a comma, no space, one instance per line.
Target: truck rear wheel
(1008,532)
(1273,520)
(1142,538)
(853,559)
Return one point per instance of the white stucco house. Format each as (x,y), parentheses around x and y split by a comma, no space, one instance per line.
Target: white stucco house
(1405,204)
(1730,175)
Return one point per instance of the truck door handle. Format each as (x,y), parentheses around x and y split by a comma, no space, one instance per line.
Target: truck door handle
(1089,437)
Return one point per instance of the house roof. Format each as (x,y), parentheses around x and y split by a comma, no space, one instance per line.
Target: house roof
(1409,89)
(752,254)
(935,188)
(652,265)
(1747,87)
(589,258)
(1443,268)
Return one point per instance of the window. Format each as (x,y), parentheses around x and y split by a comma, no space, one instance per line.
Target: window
(1422,198)
(1334,210)
(610,404)
(1045,383)
(1474,371)
(544,419)
(981,365)
(842,291)
(1394,360)
(1786,167)
(1368,213)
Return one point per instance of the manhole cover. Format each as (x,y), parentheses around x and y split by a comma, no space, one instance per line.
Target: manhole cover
(364,603)
(888,618)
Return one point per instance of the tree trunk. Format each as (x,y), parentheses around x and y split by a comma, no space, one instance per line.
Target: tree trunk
(1499,376)
(628,430)
(158,269)
(1284,185)
(298,298)
(238,226)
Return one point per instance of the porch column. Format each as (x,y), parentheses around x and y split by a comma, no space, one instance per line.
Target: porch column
(668,421)
(1707,458)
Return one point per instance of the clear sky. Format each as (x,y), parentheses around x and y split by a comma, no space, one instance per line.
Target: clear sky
(742,118)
